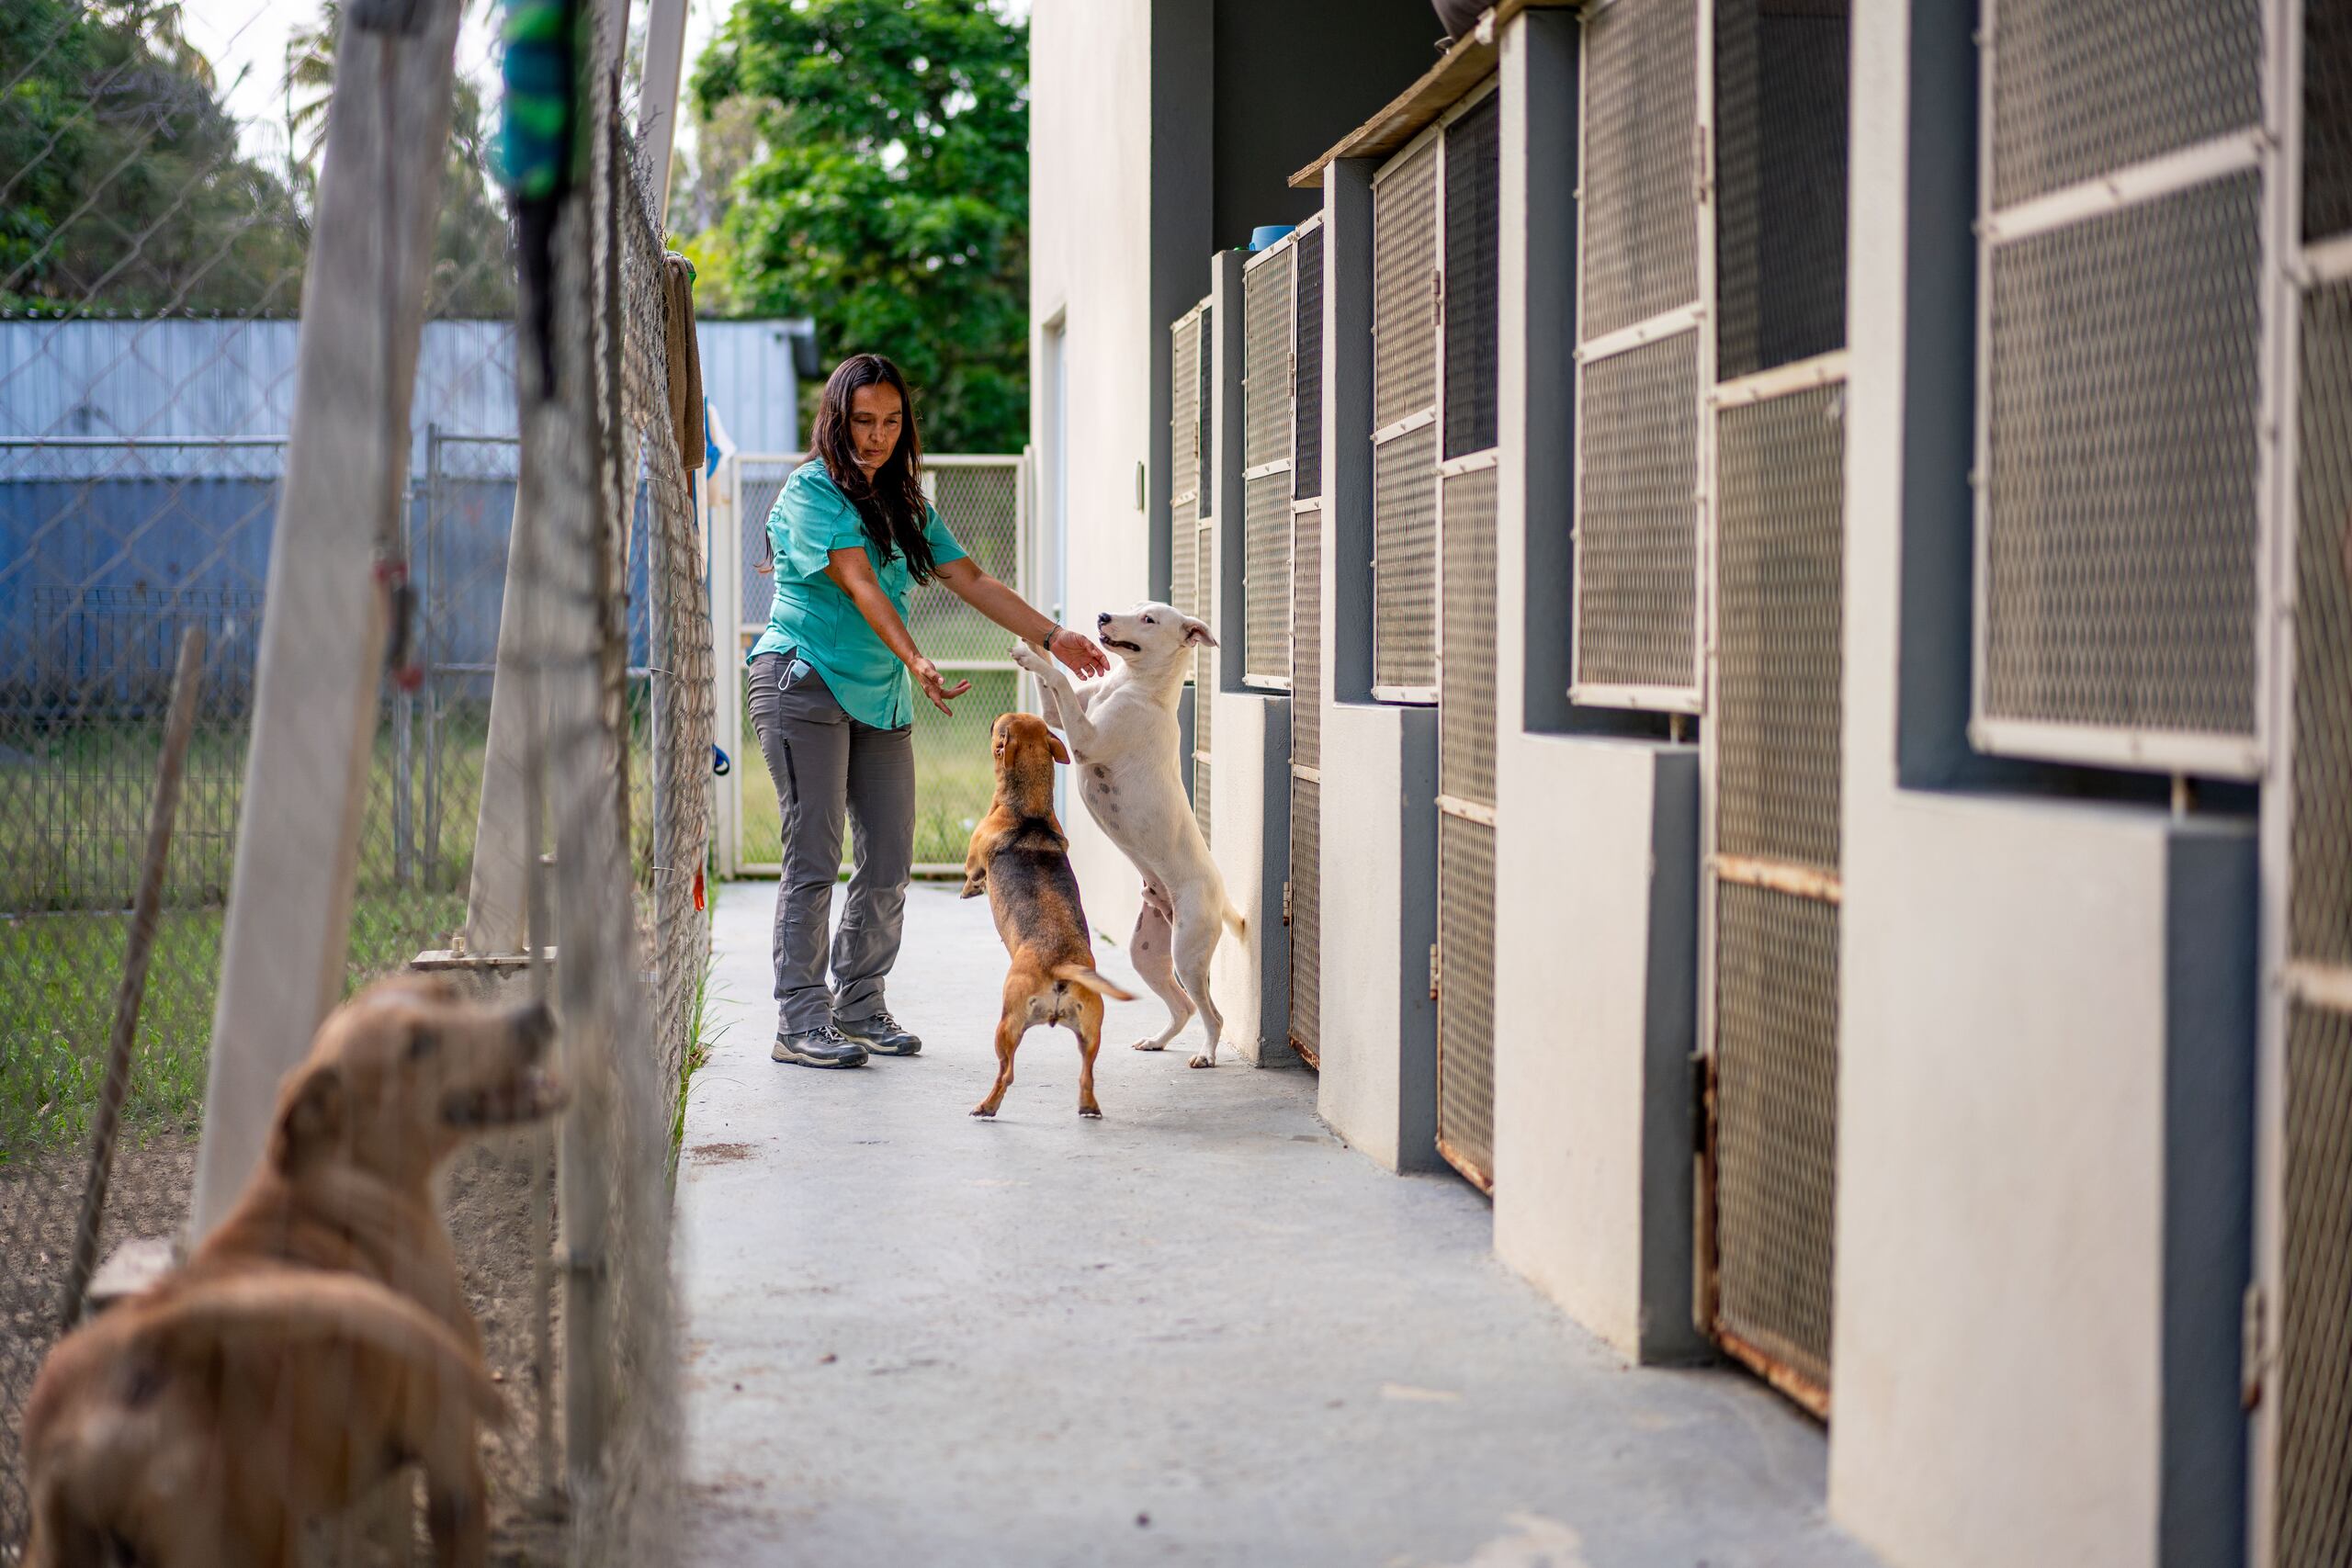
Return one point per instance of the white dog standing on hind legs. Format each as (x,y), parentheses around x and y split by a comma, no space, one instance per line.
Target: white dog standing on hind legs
(1125,739)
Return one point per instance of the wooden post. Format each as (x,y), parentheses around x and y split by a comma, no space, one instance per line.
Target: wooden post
(146,910)
(657,109)
(495,900)
(326,613)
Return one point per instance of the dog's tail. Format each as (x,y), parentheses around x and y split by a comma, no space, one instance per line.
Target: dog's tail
(1077,975)
(306,1306)
(1236,921)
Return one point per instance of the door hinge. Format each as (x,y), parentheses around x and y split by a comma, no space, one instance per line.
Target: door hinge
(1437,294)
(2253,1353)
(1285,903)
(1701,181)
(1434,972)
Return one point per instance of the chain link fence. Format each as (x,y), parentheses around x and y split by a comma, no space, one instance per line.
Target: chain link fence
(983,500)
(157,229)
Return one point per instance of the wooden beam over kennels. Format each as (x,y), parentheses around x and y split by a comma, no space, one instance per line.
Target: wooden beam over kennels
(327,611)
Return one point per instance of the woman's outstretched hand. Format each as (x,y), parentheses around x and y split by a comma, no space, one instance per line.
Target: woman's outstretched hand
(1085,660)
(933,686)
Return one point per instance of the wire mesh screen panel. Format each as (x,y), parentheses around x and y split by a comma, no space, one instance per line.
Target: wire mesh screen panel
(2327,121)
(1780,570)
(1184,417)
(1268,317)
(1466,997)
(2319,921)
(1306,918)
(2122,396)
(2313,1498)
(1637,529)
(1472,275)
(1779,151)
(1404,573)
(1266,580)
(1204,449)
(2081,87)
(1466,670)
(1204,675)
(1639,226)
(1307,374)
(1775,1130)
(1185,573)
(1306,638)
(1404,292)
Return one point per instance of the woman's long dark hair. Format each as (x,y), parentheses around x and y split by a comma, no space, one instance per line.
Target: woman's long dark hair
(891,505)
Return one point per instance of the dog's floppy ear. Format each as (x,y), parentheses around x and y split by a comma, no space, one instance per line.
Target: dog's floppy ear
(1196,631)
(975,882)
(1054,743)
(311,1114)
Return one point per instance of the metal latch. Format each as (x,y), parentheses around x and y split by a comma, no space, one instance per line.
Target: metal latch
(1285,903)
(1433,972)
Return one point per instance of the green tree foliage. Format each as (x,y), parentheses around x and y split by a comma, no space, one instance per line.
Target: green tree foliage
(121,186)
(888,194)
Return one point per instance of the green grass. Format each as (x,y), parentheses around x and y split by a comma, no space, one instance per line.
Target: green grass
(953,776)
(58,977)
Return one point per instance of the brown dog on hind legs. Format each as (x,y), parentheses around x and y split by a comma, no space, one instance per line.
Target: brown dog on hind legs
(1020,858)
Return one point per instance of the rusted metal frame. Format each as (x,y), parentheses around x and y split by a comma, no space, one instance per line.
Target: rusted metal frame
(1808,1393)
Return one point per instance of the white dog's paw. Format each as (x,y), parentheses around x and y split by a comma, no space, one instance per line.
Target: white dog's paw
(1202,1060)
(1149,1046)
(1029,658)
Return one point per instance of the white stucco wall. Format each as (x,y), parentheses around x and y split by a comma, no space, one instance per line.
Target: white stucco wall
(1998,1370)
(1090,179)
(1251,976)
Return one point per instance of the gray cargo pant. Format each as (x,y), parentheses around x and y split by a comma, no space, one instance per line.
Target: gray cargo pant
(824,762)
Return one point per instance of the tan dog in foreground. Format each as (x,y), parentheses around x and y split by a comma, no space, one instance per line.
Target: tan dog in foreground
(204,1423)
(1020,858)
(397,1079)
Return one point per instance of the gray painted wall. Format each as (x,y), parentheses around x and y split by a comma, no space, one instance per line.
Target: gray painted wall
(1293,77)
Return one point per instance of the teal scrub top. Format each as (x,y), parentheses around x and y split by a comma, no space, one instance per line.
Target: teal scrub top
(817,621)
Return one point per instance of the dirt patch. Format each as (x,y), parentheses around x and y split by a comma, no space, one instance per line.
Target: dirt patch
(487,1202)
(720,1154)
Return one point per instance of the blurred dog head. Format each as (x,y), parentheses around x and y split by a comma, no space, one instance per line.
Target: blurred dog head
(405,1071)
(1024,752)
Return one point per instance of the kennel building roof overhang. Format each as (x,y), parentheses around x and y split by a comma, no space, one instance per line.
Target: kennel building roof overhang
(1470,60)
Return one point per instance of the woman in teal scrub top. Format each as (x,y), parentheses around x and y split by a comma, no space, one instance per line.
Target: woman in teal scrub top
(833,683)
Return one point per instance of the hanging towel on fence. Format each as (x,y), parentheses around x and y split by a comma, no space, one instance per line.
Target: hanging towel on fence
(685,359)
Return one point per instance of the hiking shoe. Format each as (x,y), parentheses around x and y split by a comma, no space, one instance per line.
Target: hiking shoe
(880,1033)
(824,1047)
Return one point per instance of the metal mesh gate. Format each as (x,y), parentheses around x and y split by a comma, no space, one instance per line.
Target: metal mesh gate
(2120,382)
(1404,394)
(1466,843)
(2311,1500)
(1777,746)
(1639,369)
(1268,377)
(1304,895)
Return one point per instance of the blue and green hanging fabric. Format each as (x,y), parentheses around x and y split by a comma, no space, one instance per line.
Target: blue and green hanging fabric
(540,149)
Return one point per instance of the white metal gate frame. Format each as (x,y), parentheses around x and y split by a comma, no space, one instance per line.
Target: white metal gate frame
(732,636)
(2264,149)
(1433,414)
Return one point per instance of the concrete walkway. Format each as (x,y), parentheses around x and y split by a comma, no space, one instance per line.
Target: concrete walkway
(1200,1331)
